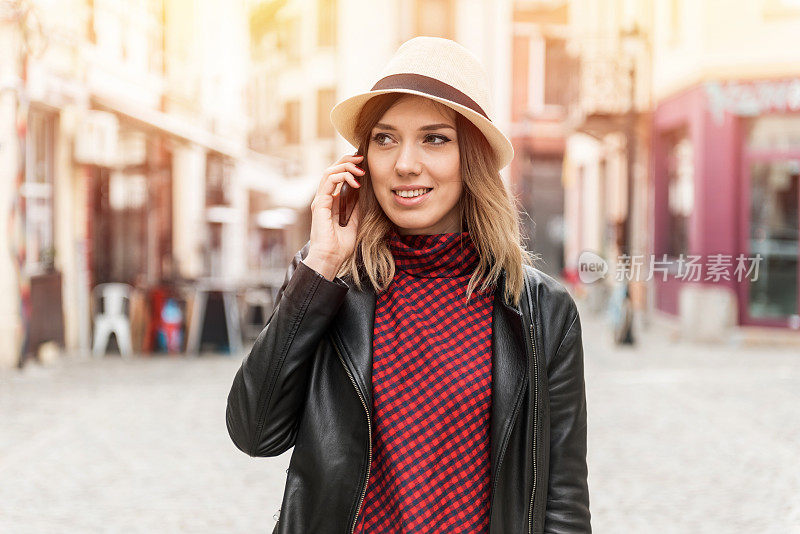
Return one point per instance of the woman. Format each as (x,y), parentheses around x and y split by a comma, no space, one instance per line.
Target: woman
(400,356)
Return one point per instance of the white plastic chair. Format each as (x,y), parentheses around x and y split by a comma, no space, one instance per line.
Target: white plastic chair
(114,319)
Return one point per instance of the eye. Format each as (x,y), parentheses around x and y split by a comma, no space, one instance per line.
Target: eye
(443,138)
(377,138)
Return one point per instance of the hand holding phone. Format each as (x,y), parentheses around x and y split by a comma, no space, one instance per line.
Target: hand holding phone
(334,221)
(348,196)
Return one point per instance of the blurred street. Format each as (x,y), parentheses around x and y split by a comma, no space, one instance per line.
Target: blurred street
(681,439)
(159,162)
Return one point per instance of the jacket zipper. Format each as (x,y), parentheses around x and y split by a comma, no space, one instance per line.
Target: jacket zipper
(503,449)
(535,418)
(369,426)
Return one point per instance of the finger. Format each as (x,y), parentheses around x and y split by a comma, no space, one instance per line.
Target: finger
(347,166)
(336,169)
(352,180)
(332,185)
(349,157)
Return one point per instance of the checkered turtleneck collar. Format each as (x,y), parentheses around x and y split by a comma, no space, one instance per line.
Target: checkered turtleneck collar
(446,255)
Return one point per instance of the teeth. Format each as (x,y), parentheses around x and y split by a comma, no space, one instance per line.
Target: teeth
(411,194)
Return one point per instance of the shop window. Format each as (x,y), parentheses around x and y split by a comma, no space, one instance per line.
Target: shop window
(131,214)
(90,33)
(680,194)
(435,18)
(38,191)
(288,39)
(774,199)
(127,191)
(560,83)
(131,32)
(119,226)
(773,133)
(326,22)
(219,171)
(290,125)
(326,99)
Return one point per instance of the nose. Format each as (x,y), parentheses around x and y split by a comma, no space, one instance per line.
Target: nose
(408,161)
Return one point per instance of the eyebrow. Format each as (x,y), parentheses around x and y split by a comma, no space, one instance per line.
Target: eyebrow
(425,128)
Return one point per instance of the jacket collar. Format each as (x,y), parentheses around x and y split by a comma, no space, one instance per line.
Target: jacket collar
(353,328)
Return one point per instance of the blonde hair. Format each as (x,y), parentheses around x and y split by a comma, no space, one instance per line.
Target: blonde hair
(489,212)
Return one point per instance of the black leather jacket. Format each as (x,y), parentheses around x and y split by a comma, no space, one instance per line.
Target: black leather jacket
(307,383)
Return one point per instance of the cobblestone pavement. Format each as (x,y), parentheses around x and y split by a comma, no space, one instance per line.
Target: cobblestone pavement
(690,438)
(129,446)
(682,438)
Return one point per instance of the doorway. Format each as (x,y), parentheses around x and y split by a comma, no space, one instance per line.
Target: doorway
(771,226)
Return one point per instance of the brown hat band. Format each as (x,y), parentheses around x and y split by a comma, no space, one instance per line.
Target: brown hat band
(431,86)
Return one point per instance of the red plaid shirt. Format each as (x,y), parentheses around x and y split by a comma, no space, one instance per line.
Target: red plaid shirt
(431,380)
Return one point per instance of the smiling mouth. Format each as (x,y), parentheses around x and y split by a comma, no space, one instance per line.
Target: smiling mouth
(413,194)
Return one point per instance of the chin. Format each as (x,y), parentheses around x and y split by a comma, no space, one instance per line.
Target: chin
(412,223)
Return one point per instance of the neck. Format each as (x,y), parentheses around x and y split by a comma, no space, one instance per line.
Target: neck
(447,255)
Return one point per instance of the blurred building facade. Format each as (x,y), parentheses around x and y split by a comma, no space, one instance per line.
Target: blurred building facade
(726,159)
(545,75)
(124,129)
(147,142)
(680,112)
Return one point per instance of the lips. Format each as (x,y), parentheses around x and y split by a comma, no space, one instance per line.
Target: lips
(411,201)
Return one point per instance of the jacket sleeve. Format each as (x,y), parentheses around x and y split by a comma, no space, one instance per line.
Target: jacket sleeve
(568,494)
(268,391)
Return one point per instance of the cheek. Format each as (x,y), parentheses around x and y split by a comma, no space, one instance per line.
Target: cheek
(447,166)
(379,171)
(452,192)
(447,173)
(452,181)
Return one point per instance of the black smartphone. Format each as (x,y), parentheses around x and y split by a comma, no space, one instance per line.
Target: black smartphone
(348,196)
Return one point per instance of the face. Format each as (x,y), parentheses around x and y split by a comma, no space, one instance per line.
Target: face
(414,146)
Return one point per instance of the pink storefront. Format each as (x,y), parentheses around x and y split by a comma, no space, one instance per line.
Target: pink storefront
(726,167)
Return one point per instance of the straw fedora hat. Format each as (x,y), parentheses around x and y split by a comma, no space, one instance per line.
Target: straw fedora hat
(439,69)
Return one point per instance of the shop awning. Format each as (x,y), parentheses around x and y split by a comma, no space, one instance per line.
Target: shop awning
(276,218)
(170,124)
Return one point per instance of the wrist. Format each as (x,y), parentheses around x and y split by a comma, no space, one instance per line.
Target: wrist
(326,265)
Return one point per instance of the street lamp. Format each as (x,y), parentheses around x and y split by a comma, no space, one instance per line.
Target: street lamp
(625,311)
